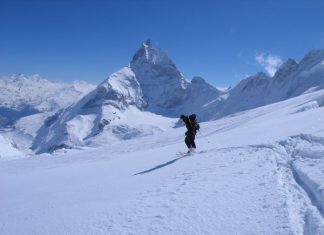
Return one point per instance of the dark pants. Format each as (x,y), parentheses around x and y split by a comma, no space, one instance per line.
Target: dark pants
(190,140)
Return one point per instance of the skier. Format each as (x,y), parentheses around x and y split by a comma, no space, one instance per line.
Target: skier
(192,127)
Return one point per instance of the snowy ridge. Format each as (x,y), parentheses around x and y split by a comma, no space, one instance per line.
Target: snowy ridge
(108,108)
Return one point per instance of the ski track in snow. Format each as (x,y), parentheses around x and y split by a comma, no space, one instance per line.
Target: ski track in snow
(304,152)
(183,202)
(140,186)
(212,193)
(303,196)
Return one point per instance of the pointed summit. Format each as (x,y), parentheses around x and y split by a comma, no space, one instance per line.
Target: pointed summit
(151,64)
(150,55)
(159,78)
(148,43)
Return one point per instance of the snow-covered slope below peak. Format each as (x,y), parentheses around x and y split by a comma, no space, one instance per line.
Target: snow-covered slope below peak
(256,172)
(122,87)
(22,95)
(102,114)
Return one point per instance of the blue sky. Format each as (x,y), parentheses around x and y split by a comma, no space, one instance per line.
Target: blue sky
(222,41)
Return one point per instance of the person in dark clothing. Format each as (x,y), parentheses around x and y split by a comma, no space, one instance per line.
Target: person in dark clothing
(192,127)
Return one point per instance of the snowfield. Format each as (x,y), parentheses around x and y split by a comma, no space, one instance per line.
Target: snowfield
(260,171)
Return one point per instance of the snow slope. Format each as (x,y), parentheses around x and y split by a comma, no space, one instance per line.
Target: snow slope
(24,131)
(256,172)
(8,149)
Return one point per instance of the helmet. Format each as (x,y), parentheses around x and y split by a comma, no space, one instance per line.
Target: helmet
(182,116)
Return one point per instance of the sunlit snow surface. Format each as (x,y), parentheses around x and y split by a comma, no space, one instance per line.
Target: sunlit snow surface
(255,172)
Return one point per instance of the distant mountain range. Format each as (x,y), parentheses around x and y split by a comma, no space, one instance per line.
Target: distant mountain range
(22,95)
(291,79)
(142,98)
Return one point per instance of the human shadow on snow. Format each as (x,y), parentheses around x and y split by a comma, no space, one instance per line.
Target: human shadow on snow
(158,166)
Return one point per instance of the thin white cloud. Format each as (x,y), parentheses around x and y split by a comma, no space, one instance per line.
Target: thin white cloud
(269,62)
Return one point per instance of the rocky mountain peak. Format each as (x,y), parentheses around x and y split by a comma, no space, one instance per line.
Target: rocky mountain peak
(148,55)
(285,70)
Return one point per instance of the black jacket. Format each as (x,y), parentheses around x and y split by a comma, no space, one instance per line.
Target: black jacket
(192,126)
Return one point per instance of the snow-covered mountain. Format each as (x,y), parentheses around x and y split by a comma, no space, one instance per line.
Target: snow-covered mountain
(291,79)
(267,162)
(115,107)
(22,95)
(258,172)
(128,103)
(164,88)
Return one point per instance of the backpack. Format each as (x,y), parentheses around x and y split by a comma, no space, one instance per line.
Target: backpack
(194,122)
